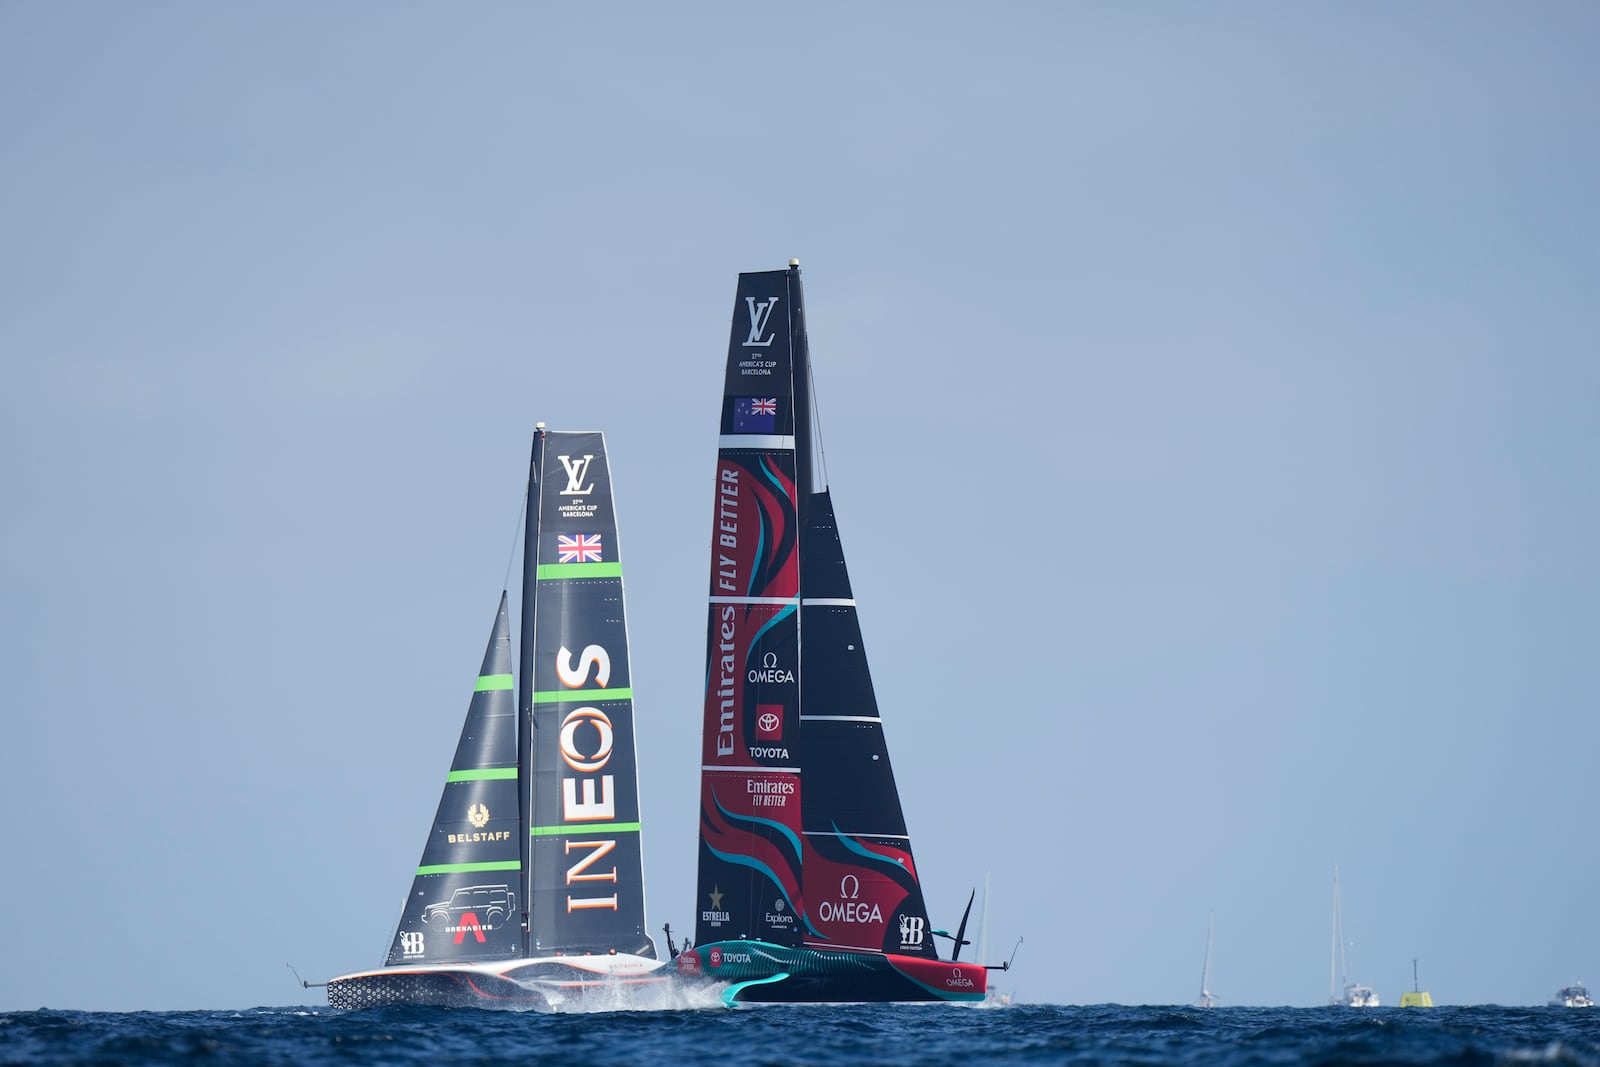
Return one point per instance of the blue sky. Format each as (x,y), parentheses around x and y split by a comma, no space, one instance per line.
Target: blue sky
(1208,395)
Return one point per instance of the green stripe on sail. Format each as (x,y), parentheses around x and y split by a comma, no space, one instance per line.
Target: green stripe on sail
(467,868)
(568,696)
(487,682)
(482,774)
(580,570)
(596,828)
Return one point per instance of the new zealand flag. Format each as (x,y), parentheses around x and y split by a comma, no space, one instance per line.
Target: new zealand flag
(755,414)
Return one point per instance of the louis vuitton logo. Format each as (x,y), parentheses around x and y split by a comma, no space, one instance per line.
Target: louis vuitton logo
(576,470)
(760,315)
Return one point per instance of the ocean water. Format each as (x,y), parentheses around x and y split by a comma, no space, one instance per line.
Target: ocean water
(877,1034)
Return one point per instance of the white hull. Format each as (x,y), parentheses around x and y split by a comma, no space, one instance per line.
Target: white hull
(519,983)
(1357,996)
(1572,997)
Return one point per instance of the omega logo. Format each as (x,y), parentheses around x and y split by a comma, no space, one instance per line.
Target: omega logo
(770,672)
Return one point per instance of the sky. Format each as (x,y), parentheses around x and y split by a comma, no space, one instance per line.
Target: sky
(1207,392)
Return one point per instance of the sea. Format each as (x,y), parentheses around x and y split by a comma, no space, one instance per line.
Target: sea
(825,1034)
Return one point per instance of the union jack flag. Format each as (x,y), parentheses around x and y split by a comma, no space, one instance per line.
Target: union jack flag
(579,548)
(763,405)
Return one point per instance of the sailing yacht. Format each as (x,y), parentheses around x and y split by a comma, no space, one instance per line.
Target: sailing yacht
(807,888)
(1207,998)
(530,889)
(1355,995)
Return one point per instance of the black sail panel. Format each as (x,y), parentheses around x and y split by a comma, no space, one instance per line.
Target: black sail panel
(586,867)
(862,889)
(749,881)
(463,902)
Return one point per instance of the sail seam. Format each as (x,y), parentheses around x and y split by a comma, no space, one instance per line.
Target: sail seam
(598,828)
(748,769)
(763,441)
(482,774)
(579,570)
(790,600)
(840,718)
(488,683)
(464,868)
(828,602)
(566,696)
(858,833)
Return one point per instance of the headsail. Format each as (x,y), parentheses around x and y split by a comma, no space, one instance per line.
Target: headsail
(463,903)
(860,876)
(585,871)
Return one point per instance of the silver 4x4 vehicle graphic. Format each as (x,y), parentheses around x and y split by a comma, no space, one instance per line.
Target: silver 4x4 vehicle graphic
(489,904)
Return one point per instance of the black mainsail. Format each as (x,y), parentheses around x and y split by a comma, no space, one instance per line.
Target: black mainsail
(807,888)
(531,885)
(585,870)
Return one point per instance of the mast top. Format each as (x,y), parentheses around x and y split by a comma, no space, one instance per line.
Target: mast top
(794,263)
(538,426)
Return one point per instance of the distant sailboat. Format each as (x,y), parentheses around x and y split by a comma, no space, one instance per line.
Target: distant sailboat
(1355,995)
(1207,999)
(992,997)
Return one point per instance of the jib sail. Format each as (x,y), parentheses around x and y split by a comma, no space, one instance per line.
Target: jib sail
(463,903)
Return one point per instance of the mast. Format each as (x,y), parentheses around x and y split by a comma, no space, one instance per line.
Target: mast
(1205,968)
(983,924)
(530,587)
(801,349)
(1333,940)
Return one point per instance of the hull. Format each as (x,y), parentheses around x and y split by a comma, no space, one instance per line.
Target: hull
(758,972)
(512,984)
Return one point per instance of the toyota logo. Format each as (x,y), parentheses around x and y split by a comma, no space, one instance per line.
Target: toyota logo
(767,722)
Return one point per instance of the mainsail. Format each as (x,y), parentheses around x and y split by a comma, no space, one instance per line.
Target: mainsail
(585,869)
(803,844)
(531,884)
